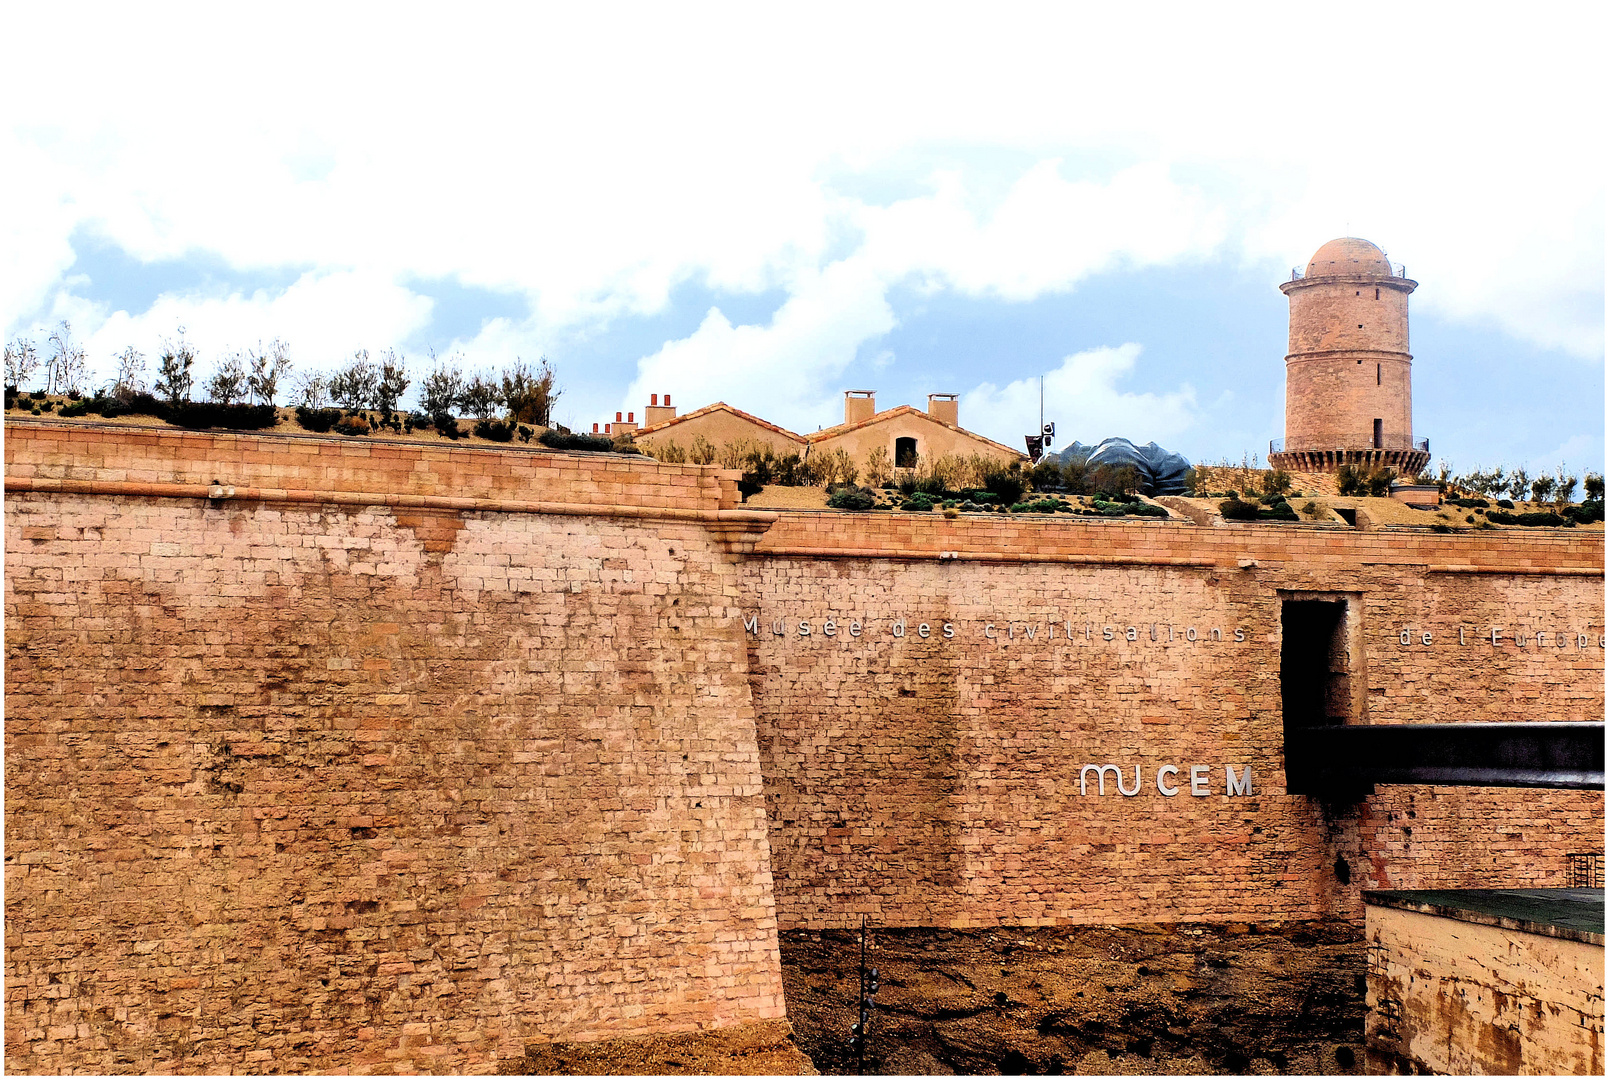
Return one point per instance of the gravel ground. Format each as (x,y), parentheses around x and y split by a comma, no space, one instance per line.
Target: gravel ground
(1139,1000)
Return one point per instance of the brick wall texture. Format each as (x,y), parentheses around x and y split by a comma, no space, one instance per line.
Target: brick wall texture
(354,771)
(301,787)
(1348,363)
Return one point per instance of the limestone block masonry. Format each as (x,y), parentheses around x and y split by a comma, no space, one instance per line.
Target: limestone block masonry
(1349,374)
(305,786)
(339,755)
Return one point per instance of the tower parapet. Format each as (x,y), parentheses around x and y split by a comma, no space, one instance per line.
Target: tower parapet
(1348,374)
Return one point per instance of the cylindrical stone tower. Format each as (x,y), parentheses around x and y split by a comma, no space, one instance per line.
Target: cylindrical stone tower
(1348,375)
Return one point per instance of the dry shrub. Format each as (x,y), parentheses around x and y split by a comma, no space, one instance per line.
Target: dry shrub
(836,467)
(668,451)
(879,466)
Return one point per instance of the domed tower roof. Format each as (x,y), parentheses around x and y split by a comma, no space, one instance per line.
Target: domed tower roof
(1348,255)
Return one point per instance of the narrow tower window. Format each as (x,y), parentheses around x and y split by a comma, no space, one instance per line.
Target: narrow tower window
(1379,433)
(1377,374)
(1377,294)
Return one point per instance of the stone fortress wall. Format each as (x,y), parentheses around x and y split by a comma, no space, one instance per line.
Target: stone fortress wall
(398,757)
(321,784)
(934,780)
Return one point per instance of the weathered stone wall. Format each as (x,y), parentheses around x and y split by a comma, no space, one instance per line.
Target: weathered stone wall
(307,786)
(1349,362)
(1455,998)
(409,757)
(935,780)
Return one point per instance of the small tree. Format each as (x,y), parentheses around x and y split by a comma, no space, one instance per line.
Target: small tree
(1564,488)
(228,383)
(174,378)
(312,390)
(1075,477)
(391,382)
(1276,482)
(1519,481)
(1592,484)
(442,389)
(65,369)
(1542,488)
(268,366)
(22,360)
(481,396)
(130,374)
(1348,480)
(529,393)
(354,386)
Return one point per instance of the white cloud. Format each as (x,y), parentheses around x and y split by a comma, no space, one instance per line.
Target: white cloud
(783,371)
(592,163)
(324,317)
(1082,398)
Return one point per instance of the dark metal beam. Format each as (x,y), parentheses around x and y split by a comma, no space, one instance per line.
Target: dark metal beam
(1352,758)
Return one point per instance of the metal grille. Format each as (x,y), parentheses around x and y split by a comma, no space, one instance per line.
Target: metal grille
(1586,870)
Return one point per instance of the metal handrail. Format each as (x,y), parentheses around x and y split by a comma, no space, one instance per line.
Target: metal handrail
(1398,270)
(1354,441)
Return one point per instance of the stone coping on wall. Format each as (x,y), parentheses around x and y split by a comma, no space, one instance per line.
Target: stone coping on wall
(89,458)
(64,455)
(1570,914)
(1247,547)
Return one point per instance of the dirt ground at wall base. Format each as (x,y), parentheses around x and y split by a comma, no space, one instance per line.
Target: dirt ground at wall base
(1158,999)
(758,1049)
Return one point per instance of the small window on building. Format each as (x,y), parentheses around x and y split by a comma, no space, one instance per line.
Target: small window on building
(1379,433)
(1377,294)
(905,453)
(1360,326)
(1377,374)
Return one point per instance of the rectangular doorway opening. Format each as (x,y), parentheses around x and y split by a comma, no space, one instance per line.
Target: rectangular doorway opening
(1314,681)
(1379,434)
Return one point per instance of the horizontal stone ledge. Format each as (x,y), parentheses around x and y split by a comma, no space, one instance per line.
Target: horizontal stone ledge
(988,556)
(1545,571)
(386,499)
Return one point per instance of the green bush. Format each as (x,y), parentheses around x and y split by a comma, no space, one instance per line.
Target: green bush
(1533,518)
(1233,509)
(1506,504)
(555,439)
(1587,513)
(852,498)
(320,420)
(502,431)
(75,408)
(1357,480)
(919,501)
(198,415)
(1006,485)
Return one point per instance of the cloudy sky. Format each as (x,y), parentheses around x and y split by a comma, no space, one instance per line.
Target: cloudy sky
(770,205)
